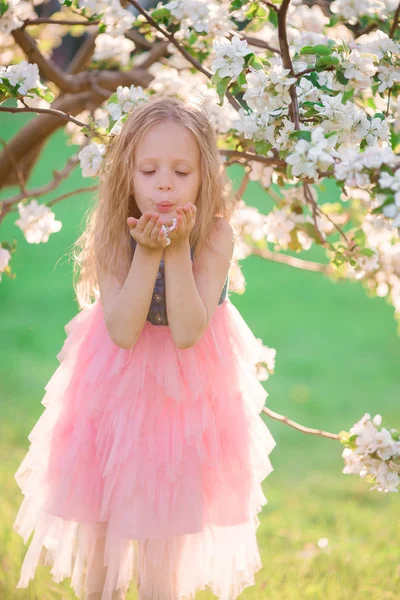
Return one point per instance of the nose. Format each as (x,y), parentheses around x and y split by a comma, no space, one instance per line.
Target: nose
(164,185)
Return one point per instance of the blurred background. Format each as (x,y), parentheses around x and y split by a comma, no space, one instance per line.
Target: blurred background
(323,534)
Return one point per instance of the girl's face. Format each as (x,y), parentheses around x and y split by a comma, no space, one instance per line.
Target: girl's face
(166,169)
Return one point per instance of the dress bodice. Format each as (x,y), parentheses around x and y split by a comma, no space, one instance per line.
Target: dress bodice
(157,314)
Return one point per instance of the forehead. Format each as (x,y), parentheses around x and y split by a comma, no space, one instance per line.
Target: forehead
(170,140)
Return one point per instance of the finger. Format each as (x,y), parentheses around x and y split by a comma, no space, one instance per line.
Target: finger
(156,229)
(144,219)
(149,225)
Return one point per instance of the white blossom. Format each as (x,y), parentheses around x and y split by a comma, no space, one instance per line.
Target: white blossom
(263,173)
(229,61)
(16,13)
(388,75)
(308,157)
(5,256)
(37,222)
(279,224)
(373,454)
(352,10)
(255,126)
(119,48)
(267,90)
(91,157)
(376,42)
(201,16)
(127,98)
(359,68)
(265,362)
(24,74)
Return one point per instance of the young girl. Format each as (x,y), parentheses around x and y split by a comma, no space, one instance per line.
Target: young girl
(148,460)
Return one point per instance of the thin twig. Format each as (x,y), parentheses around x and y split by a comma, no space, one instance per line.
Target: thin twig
(41,20)
(270,5)
(395,21)
(287,61)
(291,261)
(90,188)
(309,198)
(49,111)
(302,428)
(253,41)
(256,157)
(58,177)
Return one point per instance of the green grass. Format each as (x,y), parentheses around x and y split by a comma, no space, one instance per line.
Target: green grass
(337,357)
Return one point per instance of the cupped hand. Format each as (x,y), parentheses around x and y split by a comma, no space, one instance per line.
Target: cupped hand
(147,231)
(186,216)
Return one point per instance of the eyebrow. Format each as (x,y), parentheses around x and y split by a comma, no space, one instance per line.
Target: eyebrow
(175,160)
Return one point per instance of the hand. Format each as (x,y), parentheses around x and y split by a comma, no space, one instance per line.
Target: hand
(147,231)
(186,216)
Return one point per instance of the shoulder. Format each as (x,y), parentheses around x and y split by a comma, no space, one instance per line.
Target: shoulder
(222,237)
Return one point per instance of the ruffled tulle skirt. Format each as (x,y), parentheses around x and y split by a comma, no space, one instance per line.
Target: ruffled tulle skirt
(157,453)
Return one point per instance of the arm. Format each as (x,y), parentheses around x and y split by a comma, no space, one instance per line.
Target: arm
(126,307)
(192,294)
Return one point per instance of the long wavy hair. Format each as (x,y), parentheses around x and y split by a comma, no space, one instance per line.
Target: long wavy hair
(105,240)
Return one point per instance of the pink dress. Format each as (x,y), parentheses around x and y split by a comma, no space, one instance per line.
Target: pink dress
(160,450)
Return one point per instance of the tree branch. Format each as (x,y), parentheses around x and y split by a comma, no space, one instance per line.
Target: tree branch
(49,111)
(181,49)
(256,157)
(23,149)
(253,41)
(302,428)
(291,261)
(41,20)
(287,61)
(395,21)
(58,177)
(270,5)
(83,54)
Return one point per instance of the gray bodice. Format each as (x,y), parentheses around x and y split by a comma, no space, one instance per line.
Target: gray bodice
(157,314)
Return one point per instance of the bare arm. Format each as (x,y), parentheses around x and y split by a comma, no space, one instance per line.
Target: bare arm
(192,294)
(126,307)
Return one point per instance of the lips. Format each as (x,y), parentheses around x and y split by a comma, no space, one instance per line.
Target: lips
(164,207)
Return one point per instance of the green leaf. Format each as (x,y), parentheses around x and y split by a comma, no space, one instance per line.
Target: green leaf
(255,62)
(359,237)
(367,252)
(102,27)
(160,13)
(3,7)
(301,134)
(221,89)
(216,78)
(237,5)
(341,78)
(326,61)
(347,95)
(273,18)
(262,147)
(319,49)
(241,80)
(49,96)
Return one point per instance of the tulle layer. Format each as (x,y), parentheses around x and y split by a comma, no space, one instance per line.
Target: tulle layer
(160,450)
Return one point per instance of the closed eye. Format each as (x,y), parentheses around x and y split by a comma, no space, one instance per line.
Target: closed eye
(177,172)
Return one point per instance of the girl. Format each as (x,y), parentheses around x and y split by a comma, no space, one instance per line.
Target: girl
(148,460)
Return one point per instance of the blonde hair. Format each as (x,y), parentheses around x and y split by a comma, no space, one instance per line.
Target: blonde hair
(105,240)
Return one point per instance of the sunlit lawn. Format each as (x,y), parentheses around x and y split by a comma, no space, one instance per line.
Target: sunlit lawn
(338,356)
